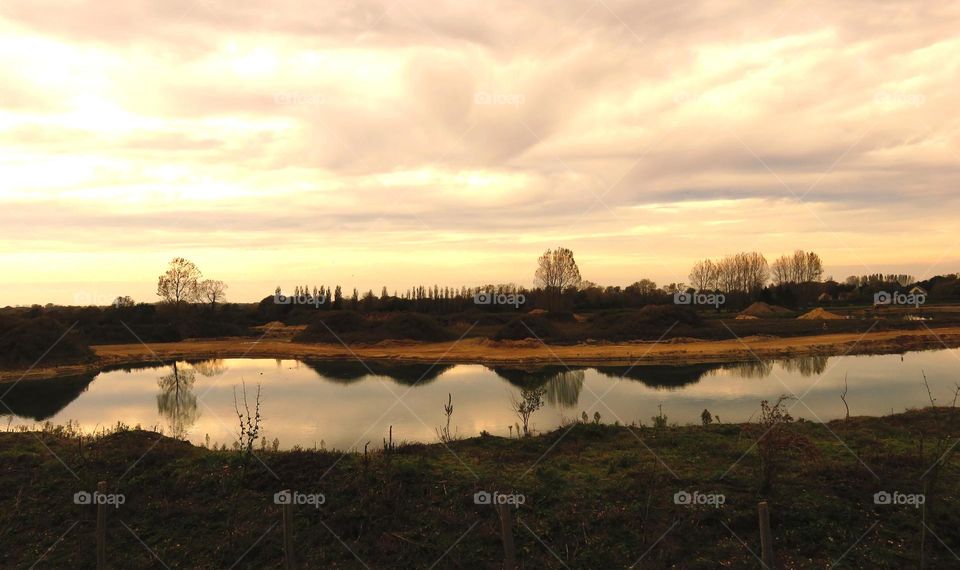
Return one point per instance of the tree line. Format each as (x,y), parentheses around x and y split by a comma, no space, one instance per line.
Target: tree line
(558,285)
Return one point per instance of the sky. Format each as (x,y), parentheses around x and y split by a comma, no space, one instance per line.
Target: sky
(408,142)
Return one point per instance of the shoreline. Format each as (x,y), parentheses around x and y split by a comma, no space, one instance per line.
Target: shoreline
(509,353)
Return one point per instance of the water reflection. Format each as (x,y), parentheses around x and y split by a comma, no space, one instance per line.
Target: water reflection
(563,389)
(807,366)
(345,403)
(661,376)
(40,400)
(750,368)
(210,368)
(176,401)
(350,371)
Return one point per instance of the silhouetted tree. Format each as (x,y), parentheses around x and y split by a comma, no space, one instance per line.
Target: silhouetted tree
(556,272)
(180,283)
(213,291)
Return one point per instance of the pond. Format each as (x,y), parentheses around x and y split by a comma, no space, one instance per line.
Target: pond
(345,404)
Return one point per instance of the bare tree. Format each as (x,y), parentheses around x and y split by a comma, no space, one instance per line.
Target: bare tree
(180,283)
(744,272)
(213,291)
(557,271)
(800,267)
(703,276)
(813,268)
(780,270)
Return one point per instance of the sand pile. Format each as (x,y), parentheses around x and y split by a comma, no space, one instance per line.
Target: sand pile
(819,314)
(746,318)
(761,310)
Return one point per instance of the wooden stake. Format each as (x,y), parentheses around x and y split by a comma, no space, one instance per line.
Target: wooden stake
(766,537)
(101,527)
(286,511)
(506,533)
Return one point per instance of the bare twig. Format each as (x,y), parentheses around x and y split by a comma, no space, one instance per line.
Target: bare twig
(844,398)
(933,401)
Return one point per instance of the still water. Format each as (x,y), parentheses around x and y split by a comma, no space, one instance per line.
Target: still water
(345,404)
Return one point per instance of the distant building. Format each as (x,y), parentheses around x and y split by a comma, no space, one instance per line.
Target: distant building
(918,290)
(825,297)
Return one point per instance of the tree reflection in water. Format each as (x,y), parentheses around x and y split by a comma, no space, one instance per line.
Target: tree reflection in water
(806,365)
(176,401)
(210,368)
(563,389)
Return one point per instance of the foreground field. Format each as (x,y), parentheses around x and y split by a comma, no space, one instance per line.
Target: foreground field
(593,496)
(525,352)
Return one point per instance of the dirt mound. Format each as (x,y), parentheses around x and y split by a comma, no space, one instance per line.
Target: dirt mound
(763,310)
(529,326)
(348,326)
(649,323)
(820,314)
(746,318)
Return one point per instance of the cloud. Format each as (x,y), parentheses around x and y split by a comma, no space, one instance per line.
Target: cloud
(369,125)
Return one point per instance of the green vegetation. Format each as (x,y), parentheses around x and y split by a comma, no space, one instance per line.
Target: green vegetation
(23,342)
(597,496)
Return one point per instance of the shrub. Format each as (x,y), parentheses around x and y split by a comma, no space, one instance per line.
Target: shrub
(23,343)
(348,326)
(341,323)
(411,326)
(521,327)
(652,321)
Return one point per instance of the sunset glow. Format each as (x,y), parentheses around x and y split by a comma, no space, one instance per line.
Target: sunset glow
(371,144)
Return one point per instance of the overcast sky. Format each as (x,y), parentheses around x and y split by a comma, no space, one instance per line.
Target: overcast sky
(422,141)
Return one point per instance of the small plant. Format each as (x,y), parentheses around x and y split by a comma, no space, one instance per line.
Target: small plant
(585,417)
(706,418)
(388,445)
(596,418)
(774,440)
(659,420)
(249,423)
(530,401)
(443,433)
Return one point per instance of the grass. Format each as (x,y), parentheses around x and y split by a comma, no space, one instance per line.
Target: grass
(597,496)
